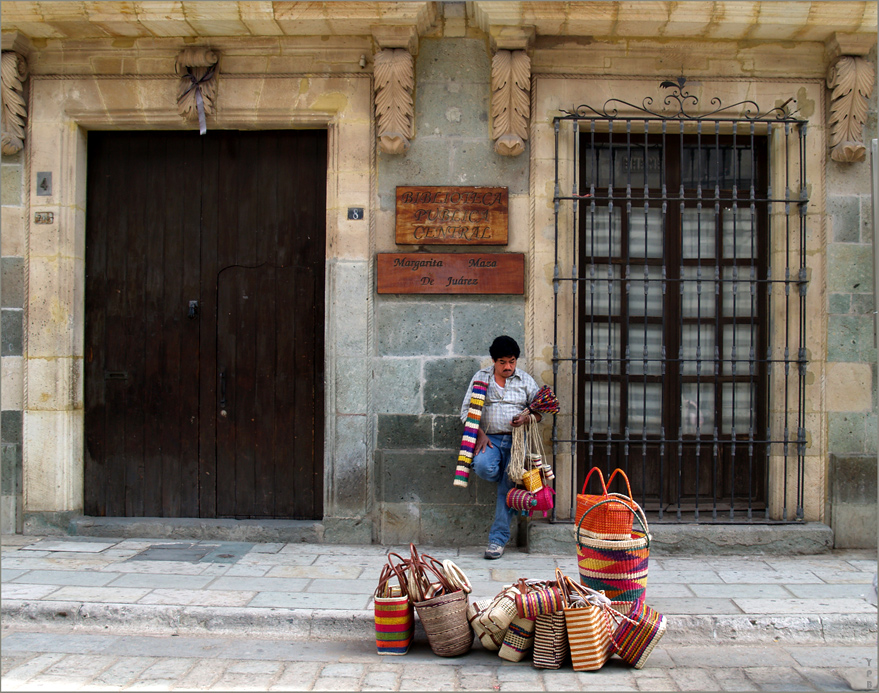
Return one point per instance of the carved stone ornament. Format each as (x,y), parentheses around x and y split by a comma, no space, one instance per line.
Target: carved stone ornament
(197,68)
(394,107)
(510,101)
(13,72)
(851,80)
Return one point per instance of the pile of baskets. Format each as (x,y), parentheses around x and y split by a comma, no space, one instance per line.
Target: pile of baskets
(551,619)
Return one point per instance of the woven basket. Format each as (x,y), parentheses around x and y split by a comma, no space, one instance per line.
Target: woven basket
(550,641)
(531,480)
(618,568)
(518,640)
(610,521)
(638,631)
(500,613)
(589,636)
(394,619)
(490,639)
(534,601)
(444,618)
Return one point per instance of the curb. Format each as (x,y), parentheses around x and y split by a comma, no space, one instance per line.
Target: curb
(336,625)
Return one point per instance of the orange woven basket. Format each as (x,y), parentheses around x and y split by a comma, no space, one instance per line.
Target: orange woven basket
(612,520)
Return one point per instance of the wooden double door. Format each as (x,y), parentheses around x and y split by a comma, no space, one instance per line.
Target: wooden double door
(204,330)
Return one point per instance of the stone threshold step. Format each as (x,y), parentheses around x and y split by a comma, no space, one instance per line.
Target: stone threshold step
(325,624)
(809,538)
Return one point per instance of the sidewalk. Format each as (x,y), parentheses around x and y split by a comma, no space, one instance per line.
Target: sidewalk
(323,592)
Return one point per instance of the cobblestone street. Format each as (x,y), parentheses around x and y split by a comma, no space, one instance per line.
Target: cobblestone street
(66,660)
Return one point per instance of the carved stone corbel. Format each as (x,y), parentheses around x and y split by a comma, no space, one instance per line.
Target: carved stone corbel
(851,80)
(510,101)
(198,69)
(394,106)
(13,72)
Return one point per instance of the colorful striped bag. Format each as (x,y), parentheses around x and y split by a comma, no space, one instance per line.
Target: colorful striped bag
(394,617)
(551,634)
(471,428)
(616,567)
(639,629)
(589,627)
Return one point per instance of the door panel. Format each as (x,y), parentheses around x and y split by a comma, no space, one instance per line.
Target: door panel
(172,218)
(267,438)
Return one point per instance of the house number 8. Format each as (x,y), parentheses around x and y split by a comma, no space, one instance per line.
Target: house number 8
(355,213)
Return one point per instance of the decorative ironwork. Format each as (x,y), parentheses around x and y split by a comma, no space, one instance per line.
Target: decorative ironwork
(683,105)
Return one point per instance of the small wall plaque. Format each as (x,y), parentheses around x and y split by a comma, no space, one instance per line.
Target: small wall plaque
(44,217)
(44,183)
(429,215)
(450,273)
(355,212)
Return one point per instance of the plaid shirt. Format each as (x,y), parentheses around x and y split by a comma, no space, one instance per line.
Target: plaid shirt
(501,404)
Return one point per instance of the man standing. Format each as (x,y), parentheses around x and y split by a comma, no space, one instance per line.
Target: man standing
(507,392)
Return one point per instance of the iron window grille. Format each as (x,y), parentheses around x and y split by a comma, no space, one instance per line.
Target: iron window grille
(682,296)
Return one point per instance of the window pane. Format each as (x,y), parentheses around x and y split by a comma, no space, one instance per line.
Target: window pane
(739,233)
(697,408)
(738,285)
(602,401)
(698,292)
(645,232)
(645,295)
(602,234)
(738,406)
(645,408)
(703,165)
(697,344)
(602,343)
(697,233)
(623,165)
(739,347)
(602,292)
(645,349)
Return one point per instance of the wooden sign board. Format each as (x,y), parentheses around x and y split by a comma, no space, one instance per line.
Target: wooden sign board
(429,215)
(451,273)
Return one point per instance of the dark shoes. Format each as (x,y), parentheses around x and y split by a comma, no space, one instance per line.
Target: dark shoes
(494,551)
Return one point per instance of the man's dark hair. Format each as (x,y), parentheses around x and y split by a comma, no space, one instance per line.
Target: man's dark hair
(503,347)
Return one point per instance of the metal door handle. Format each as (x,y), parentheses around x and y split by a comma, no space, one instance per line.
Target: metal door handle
(223,389)
(193,310)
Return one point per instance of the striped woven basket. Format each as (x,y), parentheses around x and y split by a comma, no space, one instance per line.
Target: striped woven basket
(550,640)
(589,636)
(394,618)
(518,640)
(638,631)
(616,567)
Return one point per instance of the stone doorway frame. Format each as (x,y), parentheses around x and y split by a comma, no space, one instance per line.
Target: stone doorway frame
(63,109)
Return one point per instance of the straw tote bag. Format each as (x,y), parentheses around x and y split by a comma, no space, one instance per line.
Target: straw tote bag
(394,618)
(490,639)
(518,640)
(609,521)
(589,627)
(616,567)
(444,613)
(639,629)
(551,634)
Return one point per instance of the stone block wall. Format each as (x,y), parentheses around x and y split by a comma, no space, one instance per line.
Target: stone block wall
(428,347)
(851,396)
(12,249)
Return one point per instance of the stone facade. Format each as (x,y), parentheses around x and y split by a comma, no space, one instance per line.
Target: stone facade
(397,366)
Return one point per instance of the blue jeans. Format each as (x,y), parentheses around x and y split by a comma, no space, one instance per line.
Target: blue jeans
(491,464)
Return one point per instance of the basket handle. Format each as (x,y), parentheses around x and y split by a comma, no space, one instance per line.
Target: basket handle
(637,513)
(600,476)
(622,474)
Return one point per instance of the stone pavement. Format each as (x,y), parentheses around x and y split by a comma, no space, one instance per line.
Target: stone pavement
(320,591)
(73,660)
(111,614)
